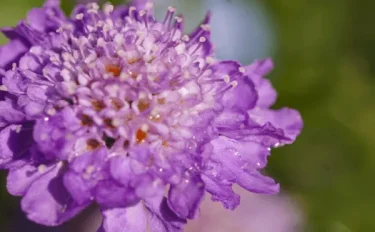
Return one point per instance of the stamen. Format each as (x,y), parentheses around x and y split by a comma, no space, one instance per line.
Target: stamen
(169,16)
(132,10)
(206,27)
(143,15)
(201,41)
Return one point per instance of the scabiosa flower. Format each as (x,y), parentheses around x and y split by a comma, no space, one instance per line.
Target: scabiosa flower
(111,106)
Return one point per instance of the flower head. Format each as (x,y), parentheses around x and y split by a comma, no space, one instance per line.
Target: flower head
(112,106)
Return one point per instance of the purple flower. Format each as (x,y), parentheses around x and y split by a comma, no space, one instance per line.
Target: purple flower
(111,106)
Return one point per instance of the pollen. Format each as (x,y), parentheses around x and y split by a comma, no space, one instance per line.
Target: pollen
(108,123)
(98,105)
(133,75)
(140,136)
(116,104)
(161,101)
(143,105)
(114,69)
(92,144)
(86,121)
(155,118)
(134,60)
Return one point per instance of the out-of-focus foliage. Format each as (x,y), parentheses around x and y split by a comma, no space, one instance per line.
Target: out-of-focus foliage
(325,67)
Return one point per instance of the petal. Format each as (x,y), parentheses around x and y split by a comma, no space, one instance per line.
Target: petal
(120,169)
(256,71)
(152,215)
(161,216)
(47,202)
(50,135)
(230,119)
(242,95)
(221,192)
(267,135)
(14,142)
(185,197)
(108,194)
(78,188)
(133,175)
(125,219)
(83,175)
(20,179)
(286,119)
(234,161)
(47,18)
(12,52)
(267,94)
(259,68)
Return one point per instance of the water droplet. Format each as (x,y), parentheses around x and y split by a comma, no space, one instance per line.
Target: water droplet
(278,145)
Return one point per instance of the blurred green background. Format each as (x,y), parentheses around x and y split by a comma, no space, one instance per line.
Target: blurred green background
(324,53)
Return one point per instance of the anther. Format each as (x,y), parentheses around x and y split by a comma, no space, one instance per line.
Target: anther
(202,39)
(3,88)
(108,9)
(185,38)
(79,16)
(226,78)
(42,168)
(234,83)
(206,27)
